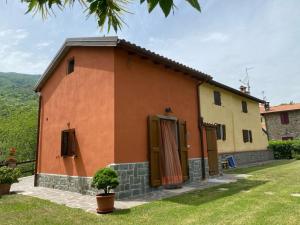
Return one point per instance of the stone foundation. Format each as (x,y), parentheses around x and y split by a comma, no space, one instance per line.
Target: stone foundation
(244,158)
(133,177)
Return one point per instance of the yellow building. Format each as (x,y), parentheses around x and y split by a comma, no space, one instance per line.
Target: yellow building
(238,121)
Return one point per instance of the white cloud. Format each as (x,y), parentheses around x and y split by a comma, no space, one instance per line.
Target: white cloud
(14,56)
(44,44)
(215,37)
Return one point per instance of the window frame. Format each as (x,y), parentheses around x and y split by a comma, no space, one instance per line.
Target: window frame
(70,149)
(247,136)
(244,107)
(217,98)
(221,132)
(70,69)
(284,118)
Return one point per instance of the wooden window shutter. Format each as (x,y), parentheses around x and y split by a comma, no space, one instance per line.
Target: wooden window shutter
(218,130)
(71,142)
(287,118)
(223,132)
(282,118)
(245,136)
(154,150)
(183,150)
(250,136)
(244,107)
(217,98)
(64,143)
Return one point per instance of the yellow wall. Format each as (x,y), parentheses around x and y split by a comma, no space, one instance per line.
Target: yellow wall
(230,113)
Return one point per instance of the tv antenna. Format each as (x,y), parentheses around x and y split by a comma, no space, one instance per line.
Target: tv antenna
(264,96)
(246,79)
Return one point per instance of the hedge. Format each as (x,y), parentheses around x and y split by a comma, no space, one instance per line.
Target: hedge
(285,149)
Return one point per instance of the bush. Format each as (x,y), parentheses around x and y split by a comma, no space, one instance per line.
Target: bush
(9,175)
(105,179)
(297,157)
(285,149)
(296,146)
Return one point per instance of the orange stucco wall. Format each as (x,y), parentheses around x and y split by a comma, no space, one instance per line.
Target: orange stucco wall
(85,101)
(107,99)
(143,88)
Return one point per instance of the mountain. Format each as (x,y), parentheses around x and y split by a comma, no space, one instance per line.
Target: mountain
(18,114)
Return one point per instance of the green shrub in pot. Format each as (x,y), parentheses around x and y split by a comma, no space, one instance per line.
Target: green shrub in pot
(105,179)
(8,176)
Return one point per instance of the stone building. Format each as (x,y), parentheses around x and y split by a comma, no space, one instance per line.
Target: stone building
(282,121)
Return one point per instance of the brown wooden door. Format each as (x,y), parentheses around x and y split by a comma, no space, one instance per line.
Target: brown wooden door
(154,147)
(183,150)
(212,151)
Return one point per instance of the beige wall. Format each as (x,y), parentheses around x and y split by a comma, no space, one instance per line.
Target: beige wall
(230,113)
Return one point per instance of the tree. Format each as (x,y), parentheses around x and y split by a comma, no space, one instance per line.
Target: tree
(106,11)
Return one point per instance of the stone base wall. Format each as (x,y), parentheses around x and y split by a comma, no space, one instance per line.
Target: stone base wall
(244,158)
(195,169)
(133,177)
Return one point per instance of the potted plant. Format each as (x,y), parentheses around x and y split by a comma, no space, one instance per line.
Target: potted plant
(11,159)
(8,176)
(105,179)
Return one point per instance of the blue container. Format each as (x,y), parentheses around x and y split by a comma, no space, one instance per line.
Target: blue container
(231,161)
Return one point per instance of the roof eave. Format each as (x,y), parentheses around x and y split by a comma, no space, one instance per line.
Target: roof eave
(235,91)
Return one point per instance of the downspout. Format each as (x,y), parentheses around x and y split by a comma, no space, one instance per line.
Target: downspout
(37,140)
(200,127)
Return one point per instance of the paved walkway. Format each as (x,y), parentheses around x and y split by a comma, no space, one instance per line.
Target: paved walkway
(88,203)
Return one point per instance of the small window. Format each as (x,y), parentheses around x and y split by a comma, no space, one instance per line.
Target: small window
(287,138)
(68,142)
(219,137)
(284,117)
(247,136)
(244,107)
(217,98)
(221,132)
(71,65)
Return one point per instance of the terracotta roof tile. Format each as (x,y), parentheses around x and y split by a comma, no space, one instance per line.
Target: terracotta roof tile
(280,108)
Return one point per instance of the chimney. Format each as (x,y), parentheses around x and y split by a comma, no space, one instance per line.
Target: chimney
(267,106)
(243,89)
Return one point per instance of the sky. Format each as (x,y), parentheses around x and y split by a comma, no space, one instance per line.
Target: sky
(223,40)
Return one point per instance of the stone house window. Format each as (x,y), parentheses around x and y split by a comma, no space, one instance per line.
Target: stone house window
(284,117)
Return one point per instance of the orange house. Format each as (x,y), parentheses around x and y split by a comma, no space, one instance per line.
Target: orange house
(101,104)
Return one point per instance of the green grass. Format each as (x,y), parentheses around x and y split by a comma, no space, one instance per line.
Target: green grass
(245,202)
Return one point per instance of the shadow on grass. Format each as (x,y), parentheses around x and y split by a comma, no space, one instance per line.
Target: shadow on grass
(215,193)
(257,167)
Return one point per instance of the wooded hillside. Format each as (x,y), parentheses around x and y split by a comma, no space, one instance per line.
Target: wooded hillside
(18,114)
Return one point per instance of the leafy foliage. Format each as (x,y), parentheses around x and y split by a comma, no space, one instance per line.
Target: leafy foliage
(109,11)
(18,115)
(9,175)
(285,149)
(105,179)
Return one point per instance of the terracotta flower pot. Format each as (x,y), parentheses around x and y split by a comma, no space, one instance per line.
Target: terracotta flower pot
(105,203)
(4,189)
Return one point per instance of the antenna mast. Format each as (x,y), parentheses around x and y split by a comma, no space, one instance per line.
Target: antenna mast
(246,80)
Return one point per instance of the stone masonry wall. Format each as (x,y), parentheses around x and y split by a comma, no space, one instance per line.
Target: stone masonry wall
(276,130)
(133,177)
(244,158)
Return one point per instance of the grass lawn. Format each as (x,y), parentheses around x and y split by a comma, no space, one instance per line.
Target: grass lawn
(263,198)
